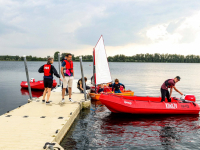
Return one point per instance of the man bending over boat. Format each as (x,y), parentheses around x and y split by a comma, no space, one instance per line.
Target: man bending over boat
(116,86)
(170,83)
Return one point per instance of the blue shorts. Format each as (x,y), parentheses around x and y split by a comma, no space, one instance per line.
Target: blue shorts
(118,91)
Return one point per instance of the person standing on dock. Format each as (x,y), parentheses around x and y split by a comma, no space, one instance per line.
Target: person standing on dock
(48,70)
(170,83)
(65,58)
(68,76)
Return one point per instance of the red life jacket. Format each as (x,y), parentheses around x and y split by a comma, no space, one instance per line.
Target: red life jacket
(69,66)
(47,70)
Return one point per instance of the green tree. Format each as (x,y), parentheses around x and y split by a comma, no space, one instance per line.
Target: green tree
(56,56)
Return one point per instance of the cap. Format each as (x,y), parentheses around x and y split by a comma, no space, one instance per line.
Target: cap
(178,77)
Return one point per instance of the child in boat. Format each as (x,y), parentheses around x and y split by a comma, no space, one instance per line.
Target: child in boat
(48,70)
(101,89)
(116,86)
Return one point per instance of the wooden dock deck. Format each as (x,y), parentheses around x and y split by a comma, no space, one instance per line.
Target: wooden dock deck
(32,125)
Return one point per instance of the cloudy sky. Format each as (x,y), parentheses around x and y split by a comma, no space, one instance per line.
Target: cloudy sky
(41,27)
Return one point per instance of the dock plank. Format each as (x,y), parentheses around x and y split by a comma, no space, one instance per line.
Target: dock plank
(33,124)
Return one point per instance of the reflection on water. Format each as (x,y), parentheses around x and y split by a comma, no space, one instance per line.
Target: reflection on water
(99,128)
(35,93)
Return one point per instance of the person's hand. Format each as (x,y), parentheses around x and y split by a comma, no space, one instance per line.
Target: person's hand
(61,79)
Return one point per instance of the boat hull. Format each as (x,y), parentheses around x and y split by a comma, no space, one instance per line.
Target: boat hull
(118,104)
(106,88)
(124,93)
(39,85)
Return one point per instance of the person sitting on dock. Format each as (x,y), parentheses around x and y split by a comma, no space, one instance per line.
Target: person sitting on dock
(48,70)
(170,83)
(101,89)
(80,85)
(68,76)
(116,86)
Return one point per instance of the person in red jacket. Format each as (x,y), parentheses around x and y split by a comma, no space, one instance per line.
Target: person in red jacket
(48,70)
(67,71)
(170,83)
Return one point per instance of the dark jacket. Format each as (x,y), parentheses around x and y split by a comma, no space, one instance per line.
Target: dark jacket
(100,90)
(53,71)
(117,86)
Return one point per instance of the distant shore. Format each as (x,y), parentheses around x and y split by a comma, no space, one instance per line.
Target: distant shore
(145,58)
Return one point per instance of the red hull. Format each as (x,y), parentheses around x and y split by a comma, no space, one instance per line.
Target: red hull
(147,105)
(39,85)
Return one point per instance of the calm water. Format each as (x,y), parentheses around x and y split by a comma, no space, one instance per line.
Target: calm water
(101,129)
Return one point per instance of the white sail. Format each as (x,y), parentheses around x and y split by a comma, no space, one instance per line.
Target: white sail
(102,69)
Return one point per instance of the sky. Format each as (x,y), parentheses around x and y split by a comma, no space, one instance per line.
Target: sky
(129,27)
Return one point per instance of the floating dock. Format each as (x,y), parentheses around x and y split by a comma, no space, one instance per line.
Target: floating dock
(31,126)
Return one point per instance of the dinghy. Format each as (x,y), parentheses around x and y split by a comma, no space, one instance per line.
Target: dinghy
(39,85)
(149,105)
(101,71)
(124,93)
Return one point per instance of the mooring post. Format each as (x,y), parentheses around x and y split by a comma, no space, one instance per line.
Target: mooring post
(83,79)
(27,77)
(59,67)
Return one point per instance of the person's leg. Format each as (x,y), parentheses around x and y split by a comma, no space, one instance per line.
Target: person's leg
(65,82)
(87,87)
(70,92)
(70,82)
(48,94)
(163,94)
(67,90)
(119,91)
(167,95)
(44,94)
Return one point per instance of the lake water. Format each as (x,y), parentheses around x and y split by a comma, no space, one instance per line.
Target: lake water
(101,129)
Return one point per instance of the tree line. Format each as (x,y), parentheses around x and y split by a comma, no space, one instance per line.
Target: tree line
(164,58)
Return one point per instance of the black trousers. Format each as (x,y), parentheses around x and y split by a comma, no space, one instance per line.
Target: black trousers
(87,88)
(165,93)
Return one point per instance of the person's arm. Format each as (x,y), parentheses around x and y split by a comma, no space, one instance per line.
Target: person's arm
(171,89)
(55,71)
(81,87)
(177,90)
(113,87)
(122,85)
(62,68)
(41,69)
(73,69)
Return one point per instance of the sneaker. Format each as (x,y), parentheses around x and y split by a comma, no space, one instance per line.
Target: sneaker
(63,100)
(43,101)
(47,103)
(71,100)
